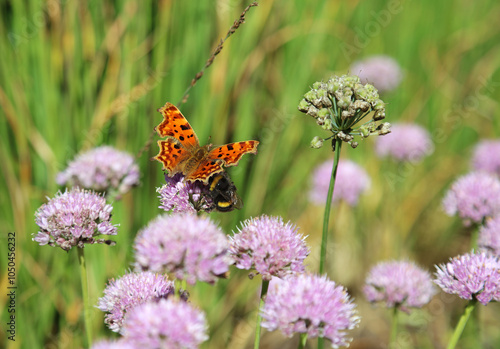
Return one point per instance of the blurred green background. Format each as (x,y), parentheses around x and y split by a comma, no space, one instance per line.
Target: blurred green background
(78,74)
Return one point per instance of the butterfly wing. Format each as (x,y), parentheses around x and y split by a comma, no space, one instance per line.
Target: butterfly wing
(205,169)
(172,155)
(175,125)
(231,153)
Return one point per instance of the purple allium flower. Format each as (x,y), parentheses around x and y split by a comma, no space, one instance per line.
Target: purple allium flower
(102,169)
(381,71)
(113,344)
(399,284)
(474,197)
(351,181)
(270,246)
(132,289)
(74,218)
(191,247)
(406,142)
(310,304)
(472,275)
(178,195)
(489,236)
(487,156)
(168,323)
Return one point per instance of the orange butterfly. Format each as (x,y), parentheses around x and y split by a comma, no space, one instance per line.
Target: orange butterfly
(181,152)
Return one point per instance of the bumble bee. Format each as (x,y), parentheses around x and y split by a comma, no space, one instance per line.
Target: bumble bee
(223,193)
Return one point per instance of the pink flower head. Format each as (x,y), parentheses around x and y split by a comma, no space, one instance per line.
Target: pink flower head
(405,143)
(487,156)
(383,72)
(473,197)
(310,304)
(399,283)
(352,180)
(270,246)
(472,275)
(193,248)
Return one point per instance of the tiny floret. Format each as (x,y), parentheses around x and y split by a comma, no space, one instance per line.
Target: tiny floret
(399,284)
(192,248)
(102,169)
(471,276)
(269,246)
(179,196)
(74,218)
(310,304)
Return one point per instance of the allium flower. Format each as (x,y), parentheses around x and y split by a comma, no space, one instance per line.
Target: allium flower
(191,247)
(472,275)
(181,196)
(270,246)
(168,323)
(399,284)
(381,71)
(74,218)
(352,180)
(103,169)
(310,304)
(407,142)
(474,197)
(132,289)
(339,105)
(487,156)
(113,344)
(489,236)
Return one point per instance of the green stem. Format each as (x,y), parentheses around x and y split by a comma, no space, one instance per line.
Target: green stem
(303,340)
(85,296)
(394,327)
(461,324)
(263,292)
(326,218)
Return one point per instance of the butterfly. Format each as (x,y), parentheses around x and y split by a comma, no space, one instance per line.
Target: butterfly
(181,152)
(223,193)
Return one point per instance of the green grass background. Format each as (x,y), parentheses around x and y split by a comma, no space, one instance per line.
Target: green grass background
(78,74)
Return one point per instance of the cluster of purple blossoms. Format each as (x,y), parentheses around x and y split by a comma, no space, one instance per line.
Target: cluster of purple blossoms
(269,246)
(191,247)
(127,292)
(489,236)
(383,72)
(474,197)
(471,276)
(406,143)
(399,284)
(103,169)
(310,304)
(74,218)
(352,180)
(168,323)
(487,156)
(179,196)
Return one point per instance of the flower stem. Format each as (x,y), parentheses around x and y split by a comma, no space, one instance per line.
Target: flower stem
(85,296)
(303,340)
(394,327)
(461,324)
(326,219)
(263,292)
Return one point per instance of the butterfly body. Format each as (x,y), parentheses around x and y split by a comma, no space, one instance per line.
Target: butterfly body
(181,152)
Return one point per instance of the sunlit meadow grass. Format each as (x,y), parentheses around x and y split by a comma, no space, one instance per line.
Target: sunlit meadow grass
(75,75)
